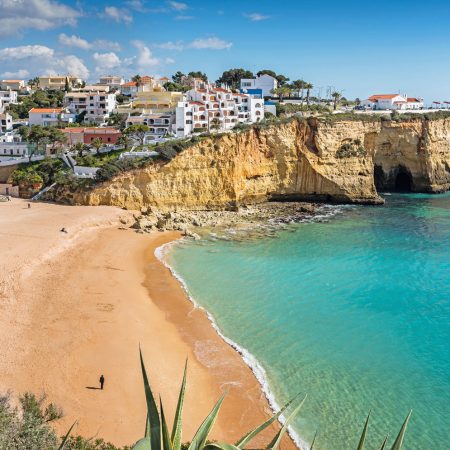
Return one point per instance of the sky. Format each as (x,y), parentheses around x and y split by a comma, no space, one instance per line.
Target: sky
(356,47)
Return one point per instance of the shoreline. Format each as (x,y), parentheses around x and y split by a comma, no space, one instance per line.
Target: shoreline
(247,357)
(250,386)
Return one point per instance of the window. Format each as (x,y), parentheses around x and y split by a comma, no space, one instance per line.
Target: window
(109,139)
(258,113)
(257,105)
(188,122)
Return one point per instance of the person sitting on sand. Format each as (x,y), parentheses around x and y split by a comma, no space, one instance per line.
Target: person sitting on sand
(102,381)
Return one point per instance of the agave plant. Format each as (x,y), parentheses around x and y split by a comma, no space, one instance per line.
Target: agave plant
(398,443)
(157,436)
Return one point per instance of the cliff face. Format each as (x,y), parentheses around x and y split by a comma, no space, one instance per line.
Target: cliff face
(299,160)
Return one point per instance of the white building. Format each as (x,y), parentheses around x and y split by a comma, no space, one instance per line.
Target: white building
(216,109)
(98,105)
(5,122)
(14,85)
(160,125)
(46,117)
(8,97)
(385,102)
(130,89)
(264,83)
(15,148)
(113,81)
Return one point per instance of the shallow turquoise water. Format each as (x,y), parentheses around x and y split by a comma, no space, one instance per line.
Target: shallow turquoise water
(355,312)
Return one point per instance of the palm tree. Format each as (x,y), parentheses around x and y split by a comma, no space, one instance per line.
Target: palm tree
(79,148)
(299,85)
(137,79)
(124,140)
(97,143)
(282,91)
(308,87)
(336,96)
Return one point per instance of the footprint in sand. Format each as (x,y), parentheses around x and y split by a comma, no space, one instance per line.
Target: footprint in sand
(105,307)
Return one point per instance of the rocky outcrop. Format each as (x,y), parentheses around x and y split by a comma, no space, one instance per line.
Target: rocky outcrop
(299,160)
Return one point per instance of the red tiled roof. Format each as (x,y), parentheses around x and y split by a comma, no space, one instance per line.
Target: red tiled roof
(87,129)
(12,81)
(196,103)
(130,83)
(45,110)
(382,97)
(413,100)
(220,90)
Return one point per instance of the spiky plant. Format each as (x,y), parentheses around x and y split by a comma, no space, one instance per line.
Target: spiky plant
(157,435)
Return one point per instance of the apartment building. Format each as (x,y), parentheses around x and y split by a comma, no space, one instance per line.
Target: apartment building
(113,81)
(13,85)
(213,108)
(5,122)
(156,100)
(47,117)
(264,84)
(160,125)
(8,97)
(58,82)
(96,105)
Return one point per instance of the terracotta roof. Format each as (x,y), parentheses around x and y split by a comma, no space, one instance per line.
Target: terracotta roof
(87,129)
(220,90)
(413,100)
(196,103)
(45,110)
(130,83)
(12,81)
(163,78)
(383,96)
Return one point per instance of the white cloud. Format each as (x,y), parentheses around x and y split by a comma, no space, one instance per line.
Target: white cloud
(19,15)
(178,6)
(256,17)
(102,44)
(25,51)
(106,61)
(74,41)
(20,74)
(137,5)
(78,42)
(36,57)
(178,46)
(117,14)
(145,58)
(212,43)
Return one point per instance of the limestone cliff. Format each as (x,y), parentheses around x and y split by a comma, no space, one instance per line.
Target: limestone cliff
(298,160)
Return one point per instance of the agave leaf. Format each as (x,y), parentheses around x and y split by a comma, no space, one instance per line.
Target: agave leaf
(63,442)
(142,444)
(277,439)
(154,425)
(220,446)
(167,443)
(383,445)
(401,434)
(198,441)
(362,440)
(251,434)
(177,421)
(313,442)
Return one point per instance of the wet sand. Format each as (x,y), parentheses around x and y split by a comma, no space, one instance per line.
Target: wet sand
(77,305)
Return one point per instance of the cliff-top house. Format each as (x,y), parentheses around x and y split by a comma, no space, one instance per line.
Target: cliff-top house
(380,102)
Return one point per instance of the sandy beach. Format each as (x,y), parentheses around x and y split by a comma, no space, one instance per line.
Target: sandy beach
(78,304)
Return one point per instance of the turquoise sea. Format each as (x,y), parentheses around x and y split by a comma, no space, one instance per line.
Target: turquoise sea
(353,310)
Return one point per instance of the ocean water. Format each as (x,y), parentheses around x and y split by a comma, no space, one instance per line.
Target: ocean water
(354,311)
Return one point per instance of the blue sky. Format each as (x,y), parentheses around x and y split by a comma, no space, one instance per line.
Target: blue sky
(357,47)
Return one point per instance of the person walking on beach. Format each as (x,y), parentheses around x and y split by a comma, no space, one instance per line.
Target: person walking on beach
(102,381)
